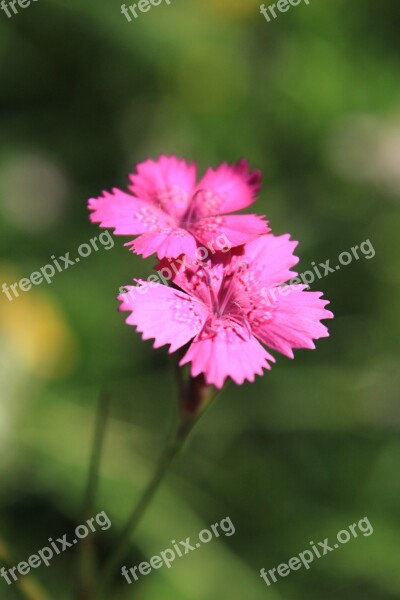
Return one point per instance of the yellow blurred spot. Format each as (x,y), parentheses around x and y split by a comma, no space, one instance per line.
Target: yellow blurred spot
(37,332)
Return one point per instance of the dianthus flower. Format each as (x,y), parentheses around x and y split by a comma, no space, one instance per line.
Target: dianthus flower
(220,311)
(173,215)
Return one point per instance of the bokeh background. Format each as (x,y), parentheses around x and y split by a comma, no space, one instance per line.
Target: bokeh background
(312,99)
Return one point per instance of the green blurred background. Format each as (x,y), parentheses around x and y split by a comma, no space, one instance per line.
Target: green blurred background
(313,100)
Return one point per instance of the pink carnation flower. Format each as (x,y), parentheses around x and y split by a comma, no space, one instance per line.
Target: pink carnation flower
(223,311)
(172,214)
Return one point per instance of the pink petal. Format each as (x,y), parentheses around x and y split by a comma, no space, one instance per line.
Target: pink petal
(227,352)
(167,242)
(125,214)
(169,183)
(271,257)
(237,230)
(227,189)
(163,313)
(293,320)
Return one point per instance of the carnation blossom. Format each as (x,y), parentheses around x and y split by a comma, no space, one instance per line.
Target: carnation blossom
(221,310)
(172,214)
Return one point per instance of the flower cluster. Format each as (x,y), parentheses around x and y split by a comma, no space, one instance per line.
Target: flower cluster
(214,310)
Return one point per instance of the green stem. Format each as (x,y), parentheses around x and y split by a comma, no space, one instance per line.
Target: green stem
(194,396)
(171,451)
(86,558)
(29,588)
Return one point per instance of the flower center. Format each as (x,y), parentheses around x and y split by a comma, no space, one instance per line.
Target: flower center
(228,294)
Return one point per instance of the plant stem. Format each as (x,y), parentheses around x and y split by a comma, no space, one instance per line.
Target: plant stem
(172,449)
(28,586)
(194,397)
(86,558)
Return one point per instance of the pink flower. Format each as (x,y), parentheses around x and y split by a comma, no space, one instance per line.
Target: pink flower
(223,309)
(172,214)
